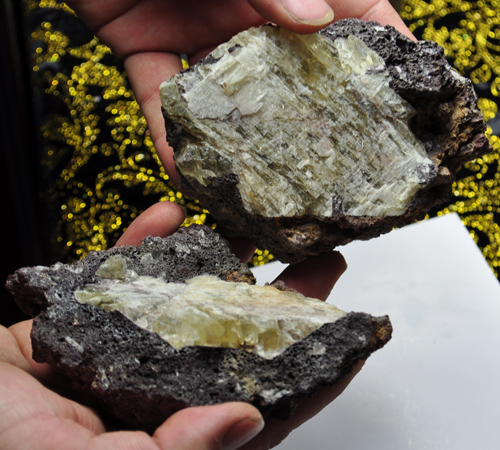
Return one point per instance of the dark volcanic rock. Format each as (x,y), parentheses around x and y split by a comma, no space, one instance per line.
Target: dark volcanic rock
(299,151)
(138,378)
(195,250)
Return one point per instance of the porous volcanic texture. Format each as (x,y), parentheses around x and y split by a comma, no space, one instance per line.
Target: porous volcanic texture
(446,122)
(138,379)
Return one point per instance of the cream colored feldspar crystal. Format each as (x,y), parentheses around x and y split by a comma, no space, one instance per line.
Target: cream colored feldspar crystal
(207,311)
(309,126)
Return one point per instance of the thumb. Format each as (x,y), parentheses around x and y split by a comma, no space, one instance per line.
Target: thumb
(308,16)
(221,427)
(160,219)
(296,15)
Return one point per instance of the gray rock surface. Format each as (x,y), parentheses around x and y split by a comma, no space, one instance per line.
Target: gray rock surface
(304,143)
(137,378)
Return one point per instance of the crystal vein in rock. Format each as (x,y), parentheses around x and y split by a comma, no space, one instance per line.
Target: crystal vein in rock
(207,311)
(309,126)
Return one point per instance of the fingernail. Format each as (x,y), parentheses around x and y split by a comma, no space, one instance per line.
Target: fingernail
(242,432)
(309,13)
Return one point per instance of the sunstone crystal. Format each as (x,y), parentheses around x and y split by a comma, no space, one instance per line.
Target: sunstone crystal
(206,311)
(137,378)
(310,126)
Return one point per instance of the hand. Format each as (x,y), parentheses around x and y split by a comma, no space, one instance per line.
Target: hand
(150,35)
(34,415)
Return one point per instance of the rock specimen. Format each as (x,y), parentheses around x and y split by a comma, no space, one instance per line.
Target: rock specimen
(209,312)
(177,322)
(302,143)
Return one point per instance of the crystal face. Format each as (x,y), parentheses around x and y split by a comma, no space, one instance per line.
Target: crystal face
(309,126)
(207,311)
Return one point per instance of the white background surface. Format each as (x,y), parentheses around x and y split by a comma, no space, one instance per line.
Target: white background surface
(436,385)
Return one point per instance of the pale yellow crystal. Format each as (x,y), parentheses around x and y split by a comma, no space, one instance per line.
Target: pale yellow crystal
(307,125)
(207,311)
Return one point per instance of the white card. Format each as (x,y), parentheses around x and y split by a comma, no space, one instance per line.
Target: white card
(436,385)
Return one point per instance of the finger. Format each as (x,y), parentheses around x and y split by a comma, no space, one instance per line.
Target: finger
(220,427)
(11,351)
(310,16)
(316,276)
(296,15)
(43,372)
(227,426)
(161,219)
(35,417)
(146,71)
(21,332)
(242,248)
(53,421)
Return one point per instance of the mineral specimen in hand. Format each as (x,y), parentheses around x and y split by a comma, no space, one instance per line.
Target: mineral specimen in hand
(209,312)
(177,322)
(302,143)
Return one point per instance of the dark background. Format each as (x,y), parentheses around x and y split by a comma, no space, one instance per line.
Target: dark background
(20,244)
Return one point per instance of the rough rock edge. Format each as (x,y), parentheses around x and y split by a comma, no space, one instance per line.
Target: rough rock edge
(138,379)
(448,122)
(191,251)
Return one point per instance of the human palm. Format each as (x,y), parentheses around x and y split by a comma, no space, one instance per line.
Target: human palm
(35,410)
(149,35)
